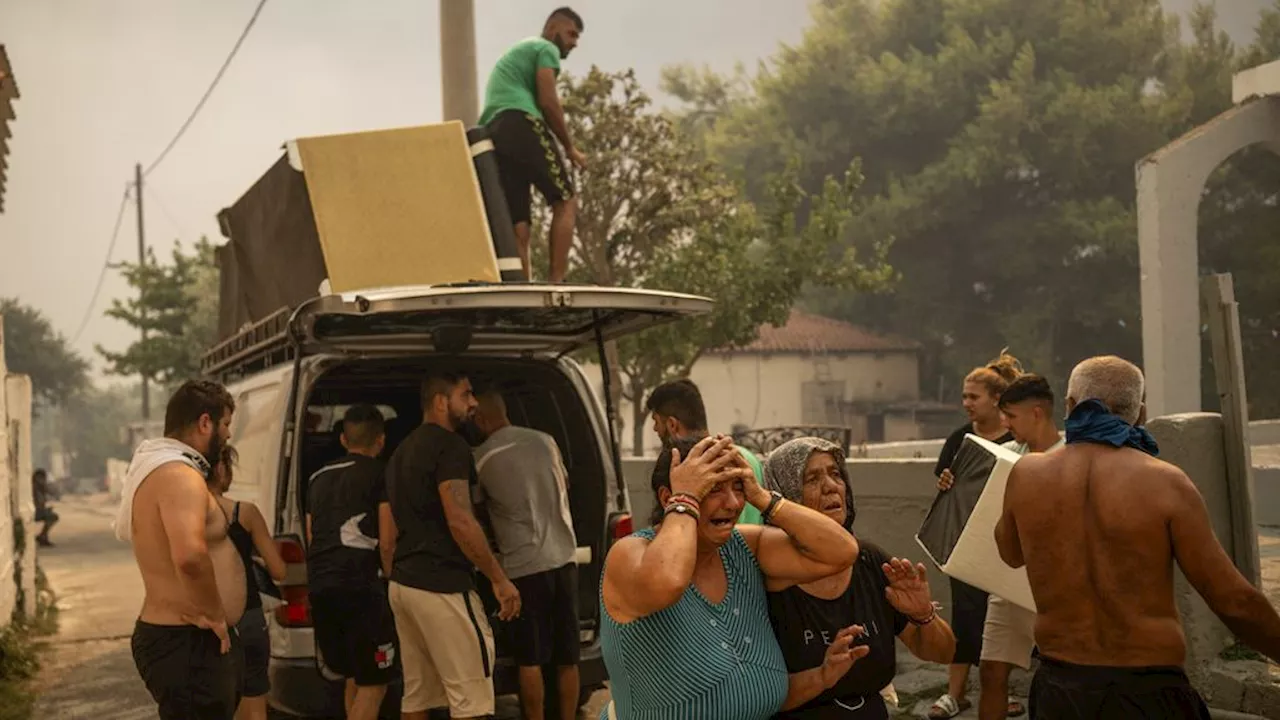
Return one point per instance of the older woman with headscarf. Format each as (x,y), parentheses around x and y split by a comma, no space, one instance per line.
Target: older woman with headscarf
(887,597)
(685,627)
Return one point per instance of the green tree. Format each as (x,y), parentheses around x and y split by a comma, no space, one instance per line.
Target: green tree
(92,427)
(176,305)
(33,347)
(655,213)
(998,140)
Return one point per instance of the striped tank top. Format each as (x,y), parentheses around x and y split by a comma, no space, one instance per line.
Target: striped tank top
(699,660)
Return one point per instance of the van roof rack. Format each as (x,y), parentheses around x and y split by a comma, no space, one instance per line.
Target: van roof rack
(255,348)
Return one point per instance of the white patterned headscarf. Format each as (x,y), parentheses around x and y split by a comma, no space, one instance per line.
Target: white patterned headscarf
(784,470)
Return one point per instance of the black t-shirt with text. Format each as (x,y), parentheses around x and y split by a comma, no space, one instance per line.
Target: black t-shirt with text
(805,625)
(342,500)
(953,443)
(427,557)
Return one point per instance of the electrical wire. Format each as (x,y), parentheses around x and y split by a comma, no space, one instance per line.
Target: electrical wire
(106,265)
(216,79)
(150,189)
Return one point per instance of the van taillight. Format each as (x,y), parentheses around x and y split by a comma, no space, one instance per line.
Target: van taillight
(620,526)
(291,550)
(296,610)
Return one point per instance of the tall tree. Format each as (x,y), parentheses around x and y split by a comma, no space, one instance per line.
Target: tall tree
(998,139)
(172,303)
(33,347)
(655,213)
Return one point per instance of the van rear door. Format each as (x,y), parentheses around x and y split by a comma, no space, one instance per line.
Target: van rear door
(487,318)
(484,318)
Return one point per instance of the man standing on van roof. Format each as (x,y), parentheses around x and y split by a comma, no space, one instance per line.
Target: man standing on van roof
(193,575)
(678,412)
(526,485)
(446,644)
(354,628)
(522,111)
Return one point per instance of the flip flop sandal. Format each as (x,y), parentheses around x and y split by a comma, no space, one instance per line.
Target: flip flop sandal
(947,707)
(1016,709)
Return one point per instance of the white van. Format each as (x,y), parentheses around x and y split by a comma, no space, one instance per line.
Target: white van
(293,375)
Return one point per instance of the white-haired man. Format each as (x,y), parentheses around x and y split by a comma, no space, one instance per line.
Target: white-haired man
(1099,524)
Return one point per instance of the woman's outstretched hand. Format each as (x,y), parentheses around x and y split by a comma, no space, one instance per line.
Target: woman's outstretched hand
(908,590)
(842,654)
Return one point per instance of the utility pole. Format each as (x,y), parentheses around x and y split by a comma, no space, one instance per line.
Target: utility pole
(142,259)
(458,61)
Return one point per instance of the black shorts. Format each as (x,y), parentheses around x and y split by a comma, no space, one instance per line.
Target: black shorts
(185,671)
(528,156)
(547,629)
(356,634)
(968,616)
(1063,691)
(257,653)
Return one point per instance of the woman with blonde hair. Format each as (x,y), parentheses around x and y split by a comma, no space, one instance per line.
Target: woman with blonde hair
(983,387)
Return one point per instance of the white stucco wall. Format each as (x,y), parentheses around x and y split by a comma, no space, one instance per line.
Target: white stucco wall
(760,390)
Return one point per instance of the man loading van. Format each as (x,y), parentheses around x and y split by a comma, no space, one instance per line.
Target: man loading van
(355,631)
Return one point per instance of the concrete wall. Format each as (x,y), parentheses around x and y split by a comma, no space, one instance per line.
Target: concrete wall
(18,402)
(1264,432)
(15,490)
(901,450)
(1194,442)
(1266,495)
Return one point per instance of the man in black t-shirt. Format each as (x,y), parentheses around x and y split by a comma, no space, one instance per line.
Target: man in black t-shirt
(444,634)
(354,629)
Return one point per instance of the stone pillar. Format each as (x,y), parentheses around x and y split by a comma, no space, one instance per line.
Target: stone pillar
(458,61)
(1194,442)
(1170,182)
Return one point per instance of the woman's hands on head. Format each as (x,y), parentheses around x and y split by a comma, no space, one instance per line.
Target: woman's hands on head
(712,461)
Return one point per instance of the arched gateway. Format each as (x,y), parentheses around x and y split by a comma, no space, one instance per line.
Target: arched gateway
(1171,182)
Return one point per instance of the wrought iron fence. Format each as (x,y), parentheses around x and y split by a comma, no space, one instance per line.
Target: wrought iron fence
(762,441)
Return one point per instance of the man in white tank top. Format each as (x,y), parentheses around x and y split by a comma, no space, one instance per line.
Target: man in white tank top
(194,579)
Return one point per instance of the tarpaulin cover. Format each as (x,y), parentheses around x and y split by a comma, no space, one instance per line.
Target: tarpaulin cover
(951,509)
(273,259)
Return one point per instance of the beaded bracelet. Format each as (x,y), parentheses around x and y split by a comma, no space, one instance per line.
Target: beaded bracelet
(933,613)
(683,508)
(686,498)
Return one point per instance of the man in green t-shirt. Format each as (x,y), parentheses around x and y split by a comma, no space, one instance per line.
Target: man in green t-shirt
(522,111)
(678,412)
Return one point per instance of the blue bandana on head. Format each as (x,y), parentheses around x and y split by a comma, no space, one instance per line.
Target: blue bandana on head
(1092,422)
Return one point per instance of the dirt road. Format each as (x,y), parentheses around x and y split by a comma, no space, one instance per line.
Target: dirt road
(89,671)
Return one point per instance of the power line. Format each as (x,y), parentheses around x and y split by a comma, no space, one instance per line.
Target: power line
(216,79)
(106,265)
(150,190)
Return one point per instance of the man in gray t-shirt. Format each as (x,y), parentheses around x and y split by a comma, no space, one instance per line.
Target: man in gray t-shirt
(525,487)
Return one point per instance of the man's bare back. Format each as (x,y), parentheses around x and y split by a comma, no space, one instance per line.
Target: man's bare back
(1099,529)
(168,598)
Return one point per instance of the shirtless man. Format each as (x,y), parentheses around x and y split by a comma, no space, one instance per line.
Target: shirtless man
(1099,524)
(194,579)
